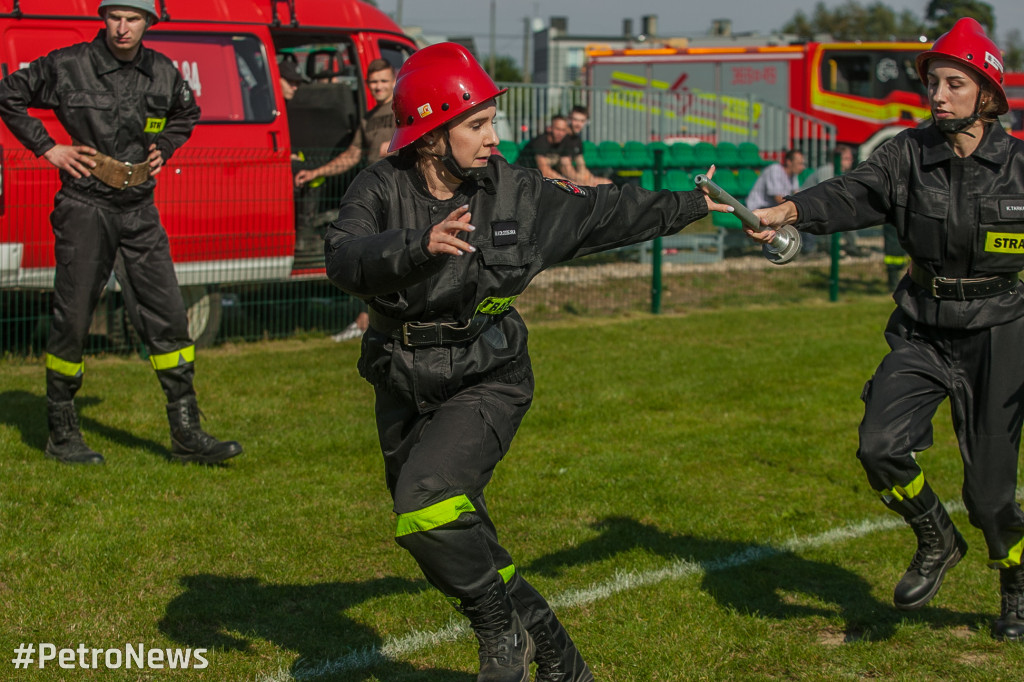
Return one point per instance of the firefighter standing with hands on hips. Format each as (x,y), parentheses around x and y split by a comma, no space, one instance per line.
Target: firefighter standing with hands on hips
(954,190)
(127,109)
(439,240)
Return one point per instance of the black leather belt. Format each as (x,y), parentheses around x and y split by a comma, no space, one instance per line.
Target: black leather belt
(964,288)
(416,334)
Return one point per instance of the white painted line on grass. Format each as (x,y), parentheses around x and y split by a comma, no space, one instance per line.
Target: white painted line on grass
(396,648)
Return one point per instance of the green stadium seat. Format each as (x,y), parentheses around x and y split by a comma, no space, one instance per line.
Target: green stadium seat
(703,155)
(635,155)
(591,156)
(678,180)
(647,179)
(746,177)
(658,146)
(727,155)
(727,180)
(805,173)
(610,153)
(750,155)
(726,220)
(680,155)
(509,149)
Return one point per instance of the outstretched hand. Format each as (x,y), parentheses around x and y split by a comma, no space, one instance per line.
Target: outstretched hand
(773,218)
(444,237)
(712,205)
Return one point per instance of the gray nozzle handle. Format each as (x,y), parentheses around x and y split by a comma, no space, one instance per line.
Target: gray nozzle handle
(784,245)
(719,195)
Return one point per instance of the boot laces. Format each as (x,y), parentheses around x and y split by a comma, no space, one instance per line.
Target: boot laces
(548,658)
(493,629)
(192,431)
(930,543)
(1012,591)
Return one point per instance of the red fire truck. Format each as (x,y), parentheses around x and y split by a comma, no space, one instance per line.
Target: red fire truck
(226,197)
(1013,85)
(861,88)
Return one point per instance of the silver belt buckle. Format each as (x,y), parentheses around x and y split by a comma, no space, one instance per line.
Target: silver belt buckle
(936,281)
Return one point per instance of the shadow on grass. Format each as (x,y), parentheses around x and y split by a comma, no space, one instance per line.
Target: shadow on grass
(760,580)
(227,613)
(26,412)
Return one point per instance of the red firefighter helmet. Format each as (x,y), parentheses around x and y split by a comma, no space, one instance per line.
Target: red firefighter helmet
(967,44)
(435,85)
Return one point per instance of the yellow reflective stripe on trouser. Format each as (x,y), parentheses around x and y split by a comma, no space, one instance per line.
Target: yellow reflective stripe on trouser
(182,356)
(1012,559)
(507,572)
(908,491)
(68,369)
(433,516)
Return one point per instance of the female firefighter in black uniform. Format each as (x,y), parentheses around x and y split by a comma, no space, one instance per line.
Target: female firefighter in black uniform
(439,240)
(955,192)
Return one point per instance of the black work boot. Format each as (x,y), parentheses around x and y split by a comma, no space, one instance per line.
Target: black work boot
(1010,624)
(558,659)
(65,443)
(939,548)
(189,443)
(506,649)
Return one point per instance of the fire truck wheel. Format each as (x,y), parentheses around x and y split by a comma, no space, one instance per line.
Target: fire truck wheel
(203,306)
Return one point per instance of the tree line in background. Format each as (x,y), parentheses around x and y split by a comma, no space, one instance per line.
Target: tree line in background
(853,21)
(875,21)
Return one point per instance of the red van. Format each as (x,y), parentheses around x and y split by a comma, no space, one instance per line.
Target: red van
(226,197)
(1013,85)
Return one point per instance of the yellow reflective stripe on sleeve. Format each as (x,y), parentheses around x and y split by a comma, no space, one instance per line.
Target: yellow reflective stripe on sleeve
(68,369)
(182,356)
(507,572)
(433,516)
(1012,559)
(909,491)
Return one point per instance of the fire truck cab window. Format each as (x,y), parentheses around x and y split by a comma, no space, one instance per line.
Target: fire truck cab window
(324,113)
(394,53)
(874,75)
(229,74)
(849,75)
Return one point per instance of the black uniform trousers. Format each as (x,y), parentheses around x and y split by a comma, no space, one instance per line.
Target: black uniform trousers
(982,374)
(88,239)
(444,459)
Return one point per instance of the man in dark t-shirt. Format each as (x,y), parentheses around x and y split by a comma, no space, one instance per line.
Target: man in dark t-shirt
(571,163)
(545,151)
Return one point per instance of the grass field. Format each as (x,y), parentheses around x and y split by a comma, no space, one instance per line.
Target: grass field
(685,491)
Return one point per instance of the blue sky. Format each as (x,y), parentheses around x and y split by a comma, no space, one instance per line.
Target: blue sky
(604,17)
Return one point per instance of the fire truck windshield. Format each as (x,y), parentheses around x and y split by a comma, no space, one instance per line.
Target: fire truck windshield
(876,74)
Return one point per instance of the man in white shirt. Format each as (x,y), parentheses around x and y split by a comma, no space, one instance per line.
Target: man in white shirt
(777,181)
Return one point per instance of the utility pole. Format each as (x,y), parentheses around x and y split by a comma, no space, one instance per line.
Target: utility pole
(493,31)
(527,26)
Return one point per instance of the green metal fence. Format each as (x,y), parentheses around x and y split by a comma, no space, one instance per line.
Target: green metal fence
(693,270)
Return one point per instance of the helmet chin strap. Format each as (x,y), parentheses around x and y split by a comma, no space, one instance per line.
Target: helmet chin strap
(478,175)
(953,126)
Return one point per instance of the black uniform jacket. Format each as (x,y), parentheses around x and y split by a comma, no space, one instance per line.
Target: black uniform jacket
(377,251)
(115,107)
(958,217)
